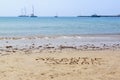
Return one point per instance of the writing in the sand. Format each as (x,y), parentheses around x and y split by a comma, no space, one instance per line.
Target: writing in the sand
(71,61)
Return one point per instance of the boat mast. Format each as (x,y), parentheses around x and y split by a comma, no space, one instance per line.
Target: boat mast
(56,15)
(22,12)
(25,11)
(32,10)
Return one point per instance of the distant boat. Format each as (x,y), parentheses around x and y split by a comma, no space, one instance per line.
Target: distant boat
(32,15)
(56,15)
(23,16)
(23,13)
(95,15)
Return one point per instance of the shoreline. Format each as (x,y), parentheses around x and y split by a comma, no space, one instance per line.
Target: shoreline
(61,58)
(61,36)
(81,42)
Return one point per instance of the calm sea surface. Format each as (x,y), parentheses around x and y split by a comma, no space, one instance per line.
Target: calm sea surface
(17,26)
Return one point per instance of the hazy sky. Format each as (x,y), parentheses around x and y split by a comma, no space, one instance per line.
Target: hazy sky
(61,7)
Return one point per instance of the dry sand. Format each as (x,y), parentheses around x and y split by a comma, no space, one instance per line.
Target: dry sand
(67,64)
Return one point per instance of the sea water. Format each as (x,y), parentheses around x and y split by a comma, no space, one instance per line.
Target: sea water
(22,32)
(26,26)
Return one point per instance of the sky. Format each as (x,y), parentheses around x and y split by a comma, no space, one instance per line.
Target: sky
(60,7)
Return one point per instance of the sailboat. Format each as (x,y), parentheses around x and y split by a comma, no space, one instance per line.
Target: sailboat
(56,16)
(32,15)
(95,15)
(23,13)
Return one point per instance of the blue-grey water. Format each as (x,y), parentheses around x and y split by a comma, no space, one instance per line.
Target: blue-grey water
(36,30)
(25,26)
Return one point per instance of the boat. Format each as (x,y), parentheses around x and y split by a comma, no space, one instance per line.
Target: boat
(56,16)
(32,15)
(95,15)
(23,16)
(23,13)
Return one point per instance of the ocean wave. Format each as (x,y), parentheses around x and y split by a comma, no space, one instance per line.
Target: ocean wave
(62,37)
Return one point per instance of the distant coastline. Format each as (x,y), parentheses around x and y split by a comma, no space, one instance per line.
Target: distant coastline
(100,16)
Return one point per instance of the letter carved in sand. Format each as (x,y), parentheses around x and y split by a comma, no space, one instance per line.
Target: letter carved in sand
(72,61)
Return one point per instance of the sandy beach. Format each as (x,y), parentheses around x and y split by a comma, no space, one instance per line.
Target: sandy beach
(65,64)
(66,58)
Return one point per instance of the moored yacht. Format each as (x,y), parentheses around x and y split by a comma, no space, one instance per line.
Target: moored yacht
(32,15)
(95,15)
(23,13)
